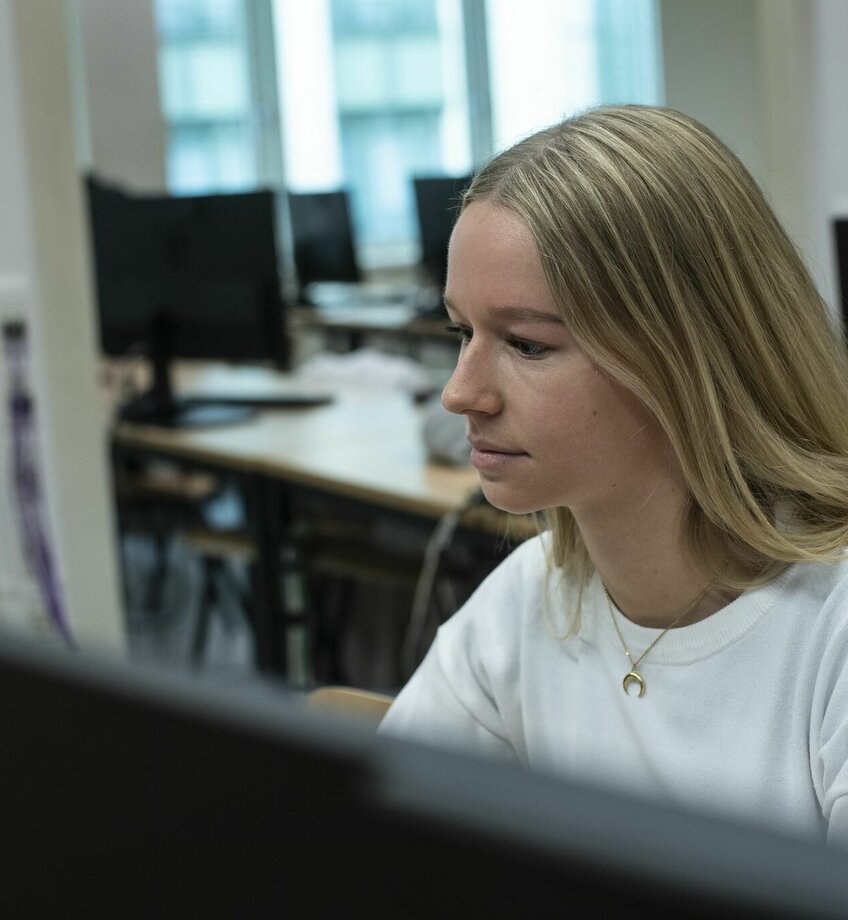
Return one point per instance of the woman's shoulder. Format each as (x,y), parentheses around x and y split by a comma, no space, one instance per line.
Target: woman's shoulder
(508,592)
(811,599)
(831,596)
(481,644)
(817,586)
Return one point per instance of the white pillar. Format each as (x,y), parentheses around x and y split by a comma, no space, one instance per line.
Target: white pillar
(44,275)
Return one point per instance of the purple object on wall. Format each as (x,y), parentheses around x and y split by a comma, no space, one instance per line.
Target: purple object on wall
(28,493)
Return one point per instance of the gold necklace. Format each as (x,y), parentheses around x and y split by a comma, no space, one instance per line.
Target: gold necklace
(633,674)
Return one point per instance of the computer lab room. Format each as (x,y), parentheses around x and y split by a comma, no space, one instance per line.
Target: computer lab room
(360,362)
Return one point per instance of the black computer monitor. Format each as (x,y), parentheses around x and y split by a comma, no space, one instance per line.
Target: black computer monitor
(437,200)
(840,226)
(153,794)
(323,239)
(186,277)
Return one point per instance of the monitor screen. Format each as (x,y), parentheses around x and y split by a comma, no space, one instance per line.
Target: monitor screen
(840,226)
(437,200)
(323,239)
(192,277)
(150,792)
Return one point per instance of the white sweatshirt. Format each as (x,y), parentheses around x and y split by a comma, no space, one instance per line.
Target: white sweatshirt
(745,712)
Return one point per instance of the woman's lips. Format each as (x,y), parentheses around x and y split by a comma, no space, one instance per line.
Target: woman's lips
(488,457)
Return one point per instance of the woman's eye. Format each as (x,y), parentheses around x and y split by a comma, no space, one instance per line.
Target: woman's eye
(528,349)
(524,348)
(462,332)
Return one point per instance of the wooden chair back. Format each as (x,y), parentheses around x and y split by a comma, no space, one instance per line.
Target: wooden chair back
(363,705)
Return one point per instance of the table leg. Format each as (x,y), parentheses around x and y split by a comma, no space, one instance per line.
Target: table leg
(265,523)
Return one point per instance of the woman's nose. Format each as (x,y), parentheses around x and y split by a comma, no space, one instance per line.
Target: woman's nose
(472,386)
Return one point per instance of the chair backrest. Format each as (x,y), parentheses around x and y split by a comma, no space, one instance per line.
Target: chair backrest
(363,705)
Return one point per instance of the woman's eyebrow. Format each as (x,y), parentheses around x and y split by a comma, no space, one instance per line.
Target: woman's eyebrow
(517,314)
(527,314)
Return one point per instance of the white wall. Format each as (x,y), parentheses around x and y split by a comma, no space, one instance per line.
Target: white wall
(126,140)
(785,48)
(768,76)
(44,271)
(829,153)
(711,72)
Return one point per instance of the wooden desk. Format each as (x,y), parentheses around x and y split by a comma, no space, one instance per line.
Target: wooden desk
(366,446)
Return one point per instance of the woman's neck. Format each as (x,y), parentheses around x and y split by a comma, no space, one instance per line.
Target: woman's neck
(641,556)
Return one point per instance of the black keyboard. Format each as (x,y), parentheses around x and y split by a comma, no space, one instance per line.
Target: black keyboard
(265,400)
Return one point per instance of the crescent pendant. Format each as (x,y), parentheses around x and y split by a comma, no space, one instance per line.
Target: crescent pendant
(636,678)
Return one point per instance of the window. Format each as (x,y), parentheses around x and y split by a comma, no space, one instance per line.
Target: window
(549,59)
(365,94)
(373,93)
(220,108)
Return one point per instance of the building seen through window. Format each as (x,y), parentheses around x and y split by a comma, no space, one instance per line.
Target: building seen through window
(206,94)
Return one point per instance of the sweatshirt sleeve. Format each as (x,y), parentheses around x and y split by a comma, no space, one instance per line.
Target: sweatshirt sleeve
(830,729)
(465,692)
(833,756)
(428,709)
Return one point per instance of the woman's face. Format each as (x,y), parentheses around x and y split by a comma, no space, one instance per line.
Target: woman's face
(547,427)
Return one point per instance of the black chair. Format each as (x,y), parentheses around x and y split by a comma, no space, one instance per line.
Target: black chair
(156,502)
(217,552)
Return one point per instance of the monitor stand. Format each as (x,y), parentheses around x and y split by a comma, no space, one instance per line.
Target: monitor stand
(159,406)
(181,413)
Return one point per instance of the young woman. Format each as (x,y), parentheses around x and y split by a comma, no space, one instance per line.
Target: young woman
(645,359)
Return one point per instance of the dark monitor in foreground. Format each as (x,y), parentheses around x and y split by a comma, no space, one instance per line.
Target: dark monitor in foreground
(186,277)
(437,200)
(150,794)
(323,239)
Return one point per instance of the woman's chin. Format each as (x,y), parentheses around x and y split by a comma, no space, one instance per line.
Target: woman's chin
(509,502)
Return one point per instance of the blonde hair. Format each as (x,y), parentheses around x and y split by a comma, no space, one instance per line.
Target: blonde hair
(675,277)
